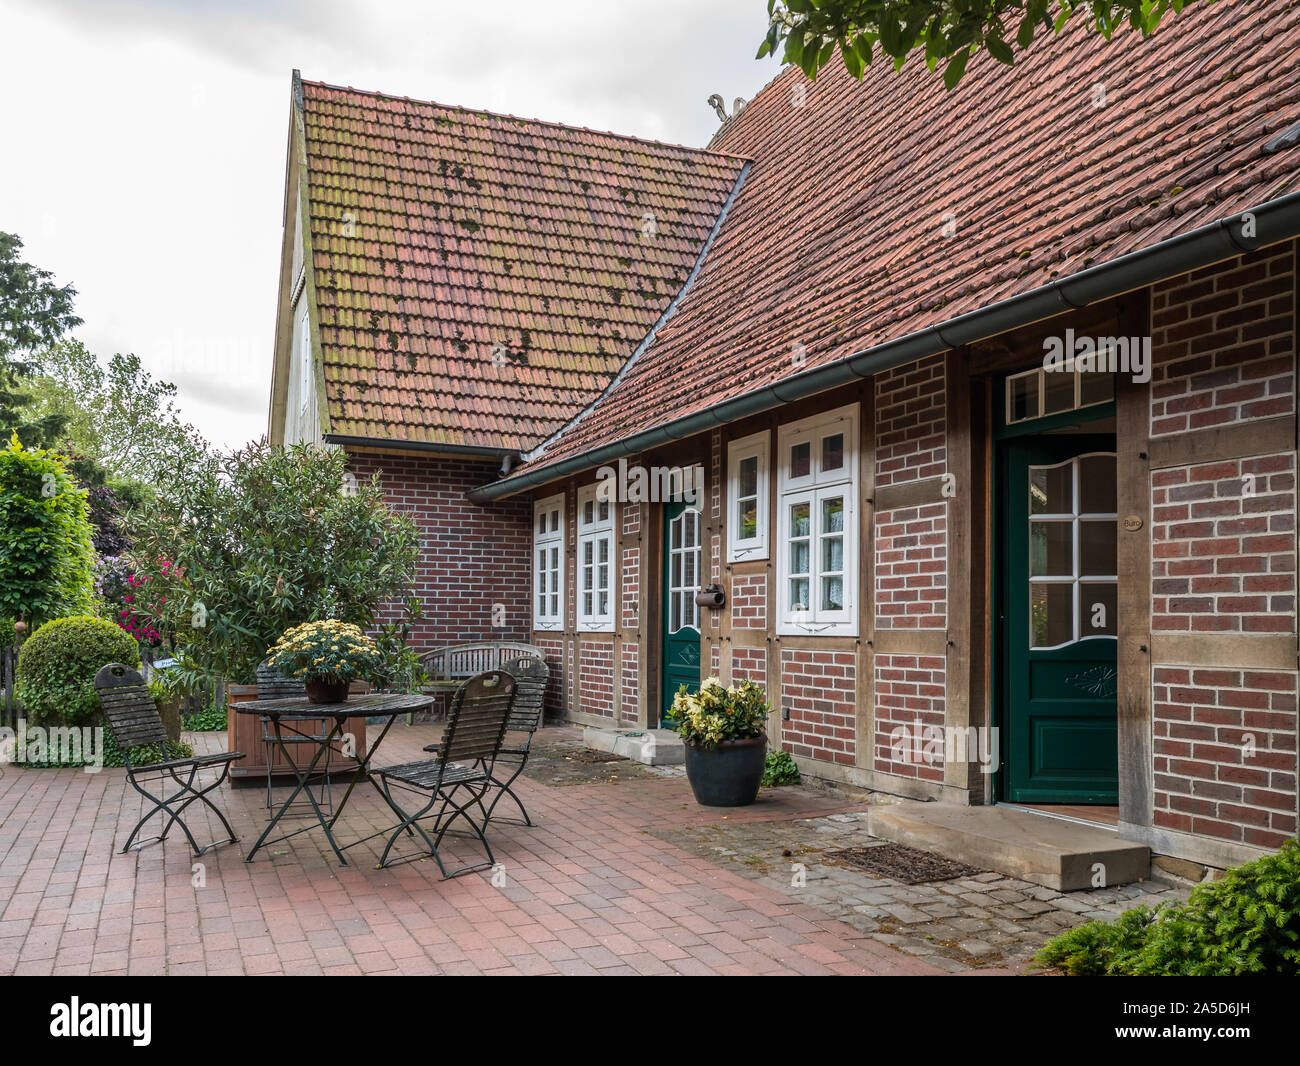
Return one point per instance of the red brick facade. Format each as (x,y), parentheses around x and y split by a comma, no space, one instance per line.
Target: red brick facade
(471,557)
(910,692)
(818,691)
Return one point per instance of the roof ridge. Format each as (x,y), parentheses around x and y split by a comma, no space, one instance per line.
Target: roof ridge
(462,109)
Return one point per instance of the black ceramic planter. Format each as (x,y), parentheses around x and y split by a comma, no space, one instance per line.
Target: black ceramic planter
(728,775)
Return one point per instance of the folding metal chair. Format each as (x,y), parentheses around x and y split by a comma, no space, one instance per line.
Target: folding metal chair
(133,717)
(530,674)
(476,726)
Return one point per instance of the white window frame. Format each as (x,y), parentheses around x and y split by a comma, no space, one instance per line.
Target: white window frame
(594,532)
(814,488)
(548,540)
(757,447)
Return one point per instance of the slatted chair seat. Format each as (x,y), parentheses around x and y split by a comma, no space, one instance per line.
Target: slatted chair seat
(530,673)
(426,774)
(476,726)
(132,715)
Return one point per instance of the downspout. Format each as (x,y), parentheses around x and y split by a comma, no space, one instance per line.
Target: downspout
(1278,218)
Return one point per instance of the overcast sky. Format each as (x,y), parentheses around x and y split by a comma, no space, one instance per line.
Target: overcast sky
(142,141)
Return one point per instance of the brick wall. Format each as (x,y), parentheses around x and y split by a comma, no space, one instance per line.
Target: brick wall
(749,601)
(1224,343)
(817,688)
(1223,546)
(553,646)
(909,695)
(749,664)
(596,671)
(1224,551)
(631,689)
(471,557)
(910,414)
(1225,753)
(912,567)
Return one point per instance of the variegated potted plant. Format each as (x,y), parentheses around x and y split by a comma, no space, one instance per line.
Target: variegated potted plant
(722,730)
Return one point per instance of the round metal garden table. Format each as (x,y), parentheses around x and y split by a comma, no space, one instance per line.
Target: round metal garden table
(282,713)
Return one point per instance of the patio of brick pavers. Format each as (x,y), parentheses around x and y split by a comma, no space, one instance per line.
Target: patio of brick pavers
(589,890)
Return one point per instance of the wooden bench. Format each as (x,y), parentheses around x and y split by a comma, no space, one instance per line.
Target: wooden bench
(451,666)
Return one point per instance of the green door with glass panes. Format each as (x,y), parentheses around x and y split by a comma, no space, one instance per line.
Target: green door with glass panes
(1058,620)
(681,613)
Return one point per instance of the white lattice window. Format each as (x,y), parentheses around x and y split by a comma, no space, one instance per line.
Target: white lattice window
(548,563)
(747,487)
(817,524)
(595,561)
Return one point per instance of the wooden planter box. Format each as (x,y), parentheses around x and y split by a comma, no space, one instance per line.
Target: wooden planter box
(244,733)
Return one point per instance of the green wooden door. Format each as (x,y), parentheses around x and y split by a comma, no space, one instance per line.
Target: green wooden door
(1058,541)
(681,614)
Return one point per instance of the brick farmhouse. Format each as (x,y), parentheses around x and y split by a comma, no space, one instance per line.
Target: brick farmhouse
(978,408)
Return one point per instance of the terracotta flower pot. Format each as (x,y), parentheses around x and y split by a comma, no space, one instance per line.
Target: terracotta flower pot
(728,775)
(321,691)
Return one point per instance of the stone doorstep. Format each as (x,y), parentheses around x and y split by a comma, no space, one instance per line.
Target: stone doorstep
(1051,852)
(651,747)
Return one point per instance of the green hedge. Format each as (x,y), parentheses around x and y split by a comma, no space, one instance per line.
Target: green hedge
(57,667)
(1246,923)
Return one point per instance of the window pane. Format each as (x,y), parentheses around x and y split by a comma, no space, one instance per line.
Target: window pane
(604,549)
(1058,391)
(1051,489)
(586,552)
(588,512)
(555,559)
(555,521)
(799,524)
(799,594)
(801,460)
(688,570)
(833,515)
(555,605)
(1023,401)
(1096,388)
(604,510)
(833,452)
(1051,614)
(675,581)
(604,603)
(748,520)
(833,554)
(675,622)
(1098,606)
(1051,549)
(602,577)
(1097,484)
(832,593)
(586,603)
(1097,549)
(799,557)
(541,522)
(748,480)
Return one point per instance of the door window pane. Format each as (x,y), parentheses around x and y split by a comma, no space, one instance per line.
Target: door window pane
(1051,489)
(1051,614)
(1097,484)
(1098,607)
(1097,548)
(1051,549)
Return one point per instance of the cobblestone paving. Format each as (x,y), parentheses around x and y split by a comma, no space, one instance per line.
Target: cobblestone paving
(986,920)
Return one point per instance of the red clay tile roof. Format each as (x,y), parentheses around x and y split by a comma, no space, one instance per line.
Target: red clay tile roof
(835,239)
(495,273)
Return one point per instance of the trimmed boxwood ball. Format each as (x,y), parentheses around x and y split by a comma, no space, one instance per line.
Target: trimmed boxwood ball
(57,667)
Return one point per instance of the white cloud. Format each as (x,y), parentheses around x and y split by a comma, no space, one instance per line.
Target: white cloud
(143,141)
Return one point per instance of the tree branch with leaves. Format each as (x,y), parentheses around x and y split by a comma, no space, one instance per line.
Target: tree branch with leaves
(945,31)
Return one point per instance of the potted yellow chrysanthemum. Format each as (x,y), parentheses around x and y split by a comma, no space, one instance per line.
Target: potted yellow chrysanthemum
(327,656)
(722,730)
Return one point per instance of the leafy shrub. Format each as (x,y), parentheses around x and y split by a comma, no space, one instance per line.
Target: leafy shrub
(713,714)
(145,754)
(780,769)
(1246,923)
(238,548)
(46,568)
(58,663)
(209,720)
